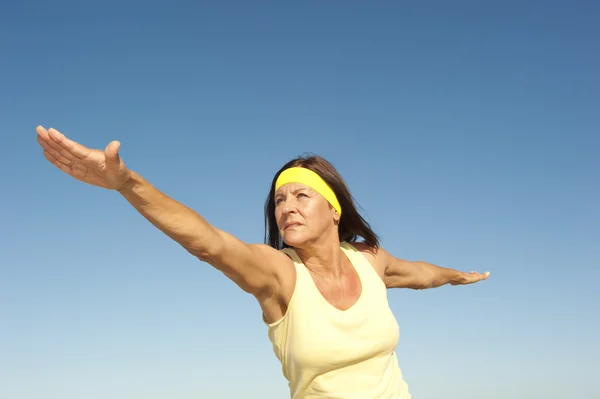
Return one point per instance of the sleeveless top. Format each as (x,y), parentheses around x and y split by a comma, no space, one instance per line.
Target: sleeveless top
(329,353)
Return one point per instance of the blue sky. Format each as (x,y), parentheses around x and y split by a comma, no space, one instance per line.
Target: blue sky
(468,133)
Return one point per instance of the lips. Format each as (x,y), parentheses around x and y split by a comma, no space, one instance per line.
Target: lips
(288,225)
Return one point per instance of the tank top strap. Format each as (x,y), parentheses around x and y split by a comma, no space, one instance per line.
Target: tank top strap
(302,275)
(364,268)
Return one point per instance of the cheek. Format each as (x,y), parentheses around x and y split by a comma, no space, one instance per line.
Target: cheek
(278,217)
(316,214)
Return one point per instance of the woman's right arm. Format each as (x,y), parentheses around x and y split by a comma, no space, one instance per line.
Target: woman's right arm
(253,267)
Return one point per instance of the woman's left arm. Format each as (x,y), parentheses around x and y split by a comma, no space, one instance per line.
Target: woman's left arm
(398,273)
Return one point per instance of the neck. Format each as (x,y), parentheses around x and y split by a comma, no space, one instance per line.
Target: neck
(324,258)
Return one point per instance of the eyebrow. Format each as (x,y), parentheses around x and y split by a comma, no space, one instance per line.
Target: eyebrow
(294,191)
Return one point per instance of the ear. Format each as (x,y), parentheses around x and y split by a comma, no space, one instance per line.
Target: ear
(336,217)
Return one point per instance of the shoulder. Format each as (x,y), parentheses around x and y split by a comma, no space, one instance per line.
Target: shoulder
(268,253)
(377,257)
(276,263)
(281,261)
(276,259)
(275,301)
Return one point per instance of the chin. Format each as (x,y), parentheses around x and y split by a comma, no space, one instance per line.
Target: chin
(293,239)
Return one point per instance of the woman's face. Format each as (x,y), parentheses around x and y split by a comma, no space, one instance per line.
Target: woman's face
(302,214)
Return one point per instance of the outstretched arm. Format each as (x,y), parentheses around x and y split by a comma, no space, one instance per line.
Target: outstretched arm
(176,220)
(422,275)
(253,267)
(399,273)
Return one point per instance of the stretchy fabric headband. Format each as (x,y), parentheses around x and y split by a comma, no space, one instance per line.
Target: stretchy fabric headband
(310,179)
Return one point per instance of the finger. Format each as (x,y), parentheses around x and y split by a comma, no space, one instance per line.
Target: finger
(57,163)
(480,276)
(46,142)
(71,146)
(42,132)
(55,153)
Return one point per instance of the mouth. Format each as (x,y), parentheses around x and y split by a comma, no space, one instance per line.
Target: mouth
(289,225)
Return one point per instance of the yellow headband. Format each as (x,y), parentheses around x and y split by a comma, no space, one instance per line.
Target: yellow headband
(310,179)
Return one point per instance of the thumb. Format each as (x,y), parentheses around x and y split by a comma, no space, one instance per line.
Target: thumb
(112,154)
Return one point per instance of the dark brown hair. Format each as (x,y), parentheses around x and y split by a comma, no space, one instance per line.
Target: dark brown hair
(352,225)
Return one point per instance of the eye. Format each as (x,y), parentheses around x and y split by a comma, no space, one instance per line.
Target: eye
(302,195)
(278,201)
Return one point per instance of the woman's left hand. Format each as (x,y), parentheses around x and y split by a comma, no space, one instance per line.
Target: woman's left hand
(469,278)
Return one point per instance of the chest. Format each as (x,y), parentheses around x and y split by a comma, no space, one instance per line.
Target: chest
(322,336)
(341,293)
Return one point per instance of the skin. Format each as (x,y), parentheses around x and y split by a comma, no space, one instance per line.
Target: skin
(305,220)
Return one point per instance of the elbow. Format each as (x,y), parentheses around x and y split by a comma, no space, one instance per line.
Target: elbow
(207,254)
(413,284)
(424,281)
(207,250)
(421,285)
(203,256)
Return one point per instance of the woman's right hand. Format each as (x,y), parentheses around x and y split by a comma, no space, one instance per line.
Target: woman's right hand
(96,167)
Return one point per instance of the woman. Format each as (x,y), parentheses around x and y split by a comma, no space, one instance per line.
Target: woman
(322,293)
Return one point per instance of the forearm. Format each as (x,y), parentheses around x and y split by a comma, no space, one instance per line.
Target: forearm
(432,276)
(177,221)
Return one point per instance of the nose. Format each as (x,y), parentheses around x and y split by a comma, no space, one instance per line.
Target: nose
(289,206)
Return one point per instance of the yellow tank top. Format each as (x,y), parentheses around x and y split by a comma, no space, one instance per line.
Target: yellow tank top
(329,353)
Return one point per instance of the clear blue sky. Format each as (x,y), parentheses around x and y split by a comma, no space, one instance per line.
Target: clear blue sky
(469,134)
